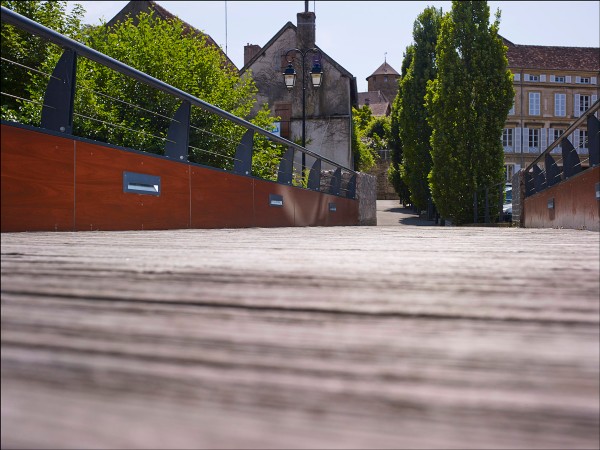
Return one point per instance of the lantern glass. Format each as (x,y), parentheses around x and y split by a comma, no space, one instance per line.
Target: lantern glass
(316,75)
(289,76)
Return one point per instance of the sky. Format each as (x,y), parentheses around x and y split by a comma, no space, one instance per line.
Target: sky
(359,35)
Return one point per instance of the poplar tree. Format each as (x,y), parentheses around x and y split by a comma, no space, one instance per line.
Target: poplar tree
(395,169)
(468,103)
(415,132)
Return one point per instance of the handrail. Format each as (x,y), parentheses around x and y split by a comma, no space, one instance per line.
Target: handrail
(35,28)
(595,107)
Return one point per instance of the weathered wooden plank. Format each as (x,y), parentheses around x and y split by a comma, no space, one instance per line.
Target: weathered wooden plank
(354,337)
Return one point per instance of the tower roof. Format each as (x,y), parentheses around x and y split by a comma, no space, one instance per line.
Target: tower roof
(384,69)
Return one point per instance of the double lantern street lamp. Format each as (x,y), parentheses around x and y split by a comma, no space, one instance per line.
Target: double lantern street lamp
(316,76)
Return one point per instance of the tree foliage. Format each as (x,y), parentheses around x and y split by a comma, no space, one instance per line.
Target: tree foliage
(114,108)
(364,158)
(468,103)
(30,51)
(415,132)
(396,145)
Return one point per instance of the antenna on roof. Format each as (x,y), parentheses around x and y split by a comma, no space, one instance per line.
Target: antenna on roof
(225,27)
(305,5)
(385,57)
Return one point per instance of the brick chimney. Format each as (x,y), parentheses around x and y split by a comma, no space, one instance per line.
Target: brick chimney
(250,51)
(305,36)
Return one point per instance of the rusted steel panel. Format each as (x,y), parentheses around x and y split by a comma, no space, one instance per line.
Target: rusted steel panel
(37,181)
(310,208)
(66,184)
(274,204)
(570,204)
(102,204)
(220,199)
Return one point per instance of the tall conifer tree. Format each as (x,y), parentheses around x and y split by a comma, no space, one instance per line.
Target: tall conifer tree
(468,103)
(415,132)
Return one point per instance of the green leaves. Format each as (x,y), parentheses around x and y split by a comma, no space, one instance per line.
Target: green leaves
(468,104)
(419,68)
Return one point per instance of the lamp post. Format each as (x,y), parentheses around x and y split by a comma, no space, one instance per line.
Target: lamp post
(316,75)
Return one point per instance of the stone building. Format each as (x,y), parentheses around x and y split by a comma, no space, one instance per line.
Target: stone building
(376,101)
(328,108)
(385,80)
(382,88)
(553,86)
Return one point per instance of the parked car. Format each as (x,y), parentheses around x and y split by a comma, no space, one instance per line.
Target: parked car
(507,206)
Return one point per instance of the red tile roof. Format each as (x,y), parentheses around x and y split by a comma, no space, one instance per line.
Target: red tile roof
(552,57)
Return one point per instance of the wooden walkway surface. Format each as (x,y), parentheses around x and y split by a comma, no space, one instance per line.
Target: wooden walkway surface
(354,337)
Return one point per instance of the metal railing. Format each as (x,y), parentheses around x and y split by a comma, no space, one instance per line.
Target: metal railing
(568,164)
(58,113)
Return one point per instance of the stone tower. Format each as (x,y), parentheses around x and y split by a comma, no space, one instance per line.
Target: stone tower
(384,79)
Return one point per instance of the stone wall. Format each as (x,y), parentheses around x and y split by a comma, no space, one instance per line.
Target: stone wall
(366,193)
(385,189)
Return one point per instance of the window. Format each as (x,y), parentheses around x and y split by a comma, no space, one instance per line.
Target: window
(555,136)
(385,78)
(584,103)
(512,109)
(583,139)
(507,138)
(534,139)
(560,105)
(534,78)
(584,80)
(559,79)
(534,103)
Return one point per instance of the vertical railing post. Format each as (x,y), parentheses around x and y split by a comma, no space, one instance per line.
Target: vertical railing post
(178,135)
(59,98)
(243,154)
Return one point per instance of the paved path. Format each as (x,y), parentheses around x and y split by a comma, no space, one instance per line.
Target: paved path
(391,212)
(354,337)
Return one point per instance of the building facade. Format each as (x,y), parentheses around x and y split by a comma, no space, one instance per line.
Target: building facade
(553,87)
(328,108)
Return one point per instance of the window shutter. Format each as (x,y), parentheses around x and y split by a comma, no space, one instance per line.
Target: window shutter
(517,167)
(552,79)
(568,79)
(577,79)
(526,76)
(576,105)
(517,140)
(593,80)
(542,77)
(525,140)
(575,141)
(543,140)
(517,77)
(594,98)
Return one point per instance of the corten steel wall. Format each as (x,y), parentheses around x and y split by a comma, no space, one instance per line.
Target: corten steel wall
(575,204)
(52,183)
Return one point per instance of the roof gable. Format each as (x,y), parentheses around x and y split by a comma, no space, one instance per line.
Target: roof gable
(384,69)
(134,8)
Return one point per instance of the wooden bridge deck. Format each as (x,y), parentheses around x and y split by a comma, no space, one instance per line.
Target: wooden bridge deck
(386,337)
